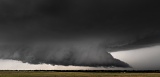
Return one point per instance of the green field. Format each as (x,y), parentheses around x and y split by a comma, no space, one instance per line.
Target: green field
(74,74)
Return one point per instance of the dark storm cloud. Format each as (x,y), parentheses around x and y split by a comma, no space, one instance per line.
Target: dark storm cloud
(60,53)
(27,26)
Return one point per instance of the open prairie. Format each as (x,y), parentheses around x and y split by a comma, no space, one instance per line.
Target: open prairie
(73,74)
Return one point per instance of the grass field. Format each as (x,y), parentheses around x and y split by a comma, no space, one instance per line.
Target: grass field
(74,74)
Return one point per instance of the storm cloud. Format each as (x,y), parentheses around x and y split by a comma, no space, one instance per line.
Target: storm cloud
(76,32)
(61,53)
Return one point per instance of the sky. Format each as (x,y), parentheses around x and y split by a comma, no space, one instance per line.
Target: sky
(79,34)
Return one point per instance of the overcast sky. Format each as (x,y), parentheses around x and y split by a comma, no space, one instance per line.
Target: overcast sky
(90,33)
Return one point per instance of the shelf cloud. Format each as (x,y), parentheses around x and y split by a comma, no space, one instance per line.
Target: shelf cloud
(76,32)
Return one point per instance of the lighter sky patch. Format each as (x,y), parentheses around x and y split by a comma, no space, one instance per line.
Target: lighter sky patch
(141,59)
(18,65)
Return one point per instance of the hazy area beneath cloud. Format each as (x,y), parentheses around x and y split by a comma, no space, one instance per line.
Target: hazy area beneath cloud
(18,65)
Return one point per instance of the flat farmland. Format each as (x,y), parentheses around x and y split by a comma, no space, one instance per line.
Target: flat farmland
(73,74)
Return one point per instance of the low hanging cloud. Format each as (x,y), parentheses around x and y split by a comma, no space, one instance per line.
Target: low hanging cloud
(61,53)
(149,40)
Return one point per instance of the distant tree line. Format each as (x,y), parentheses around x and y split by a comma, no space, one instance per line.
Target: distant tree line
(105,71)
